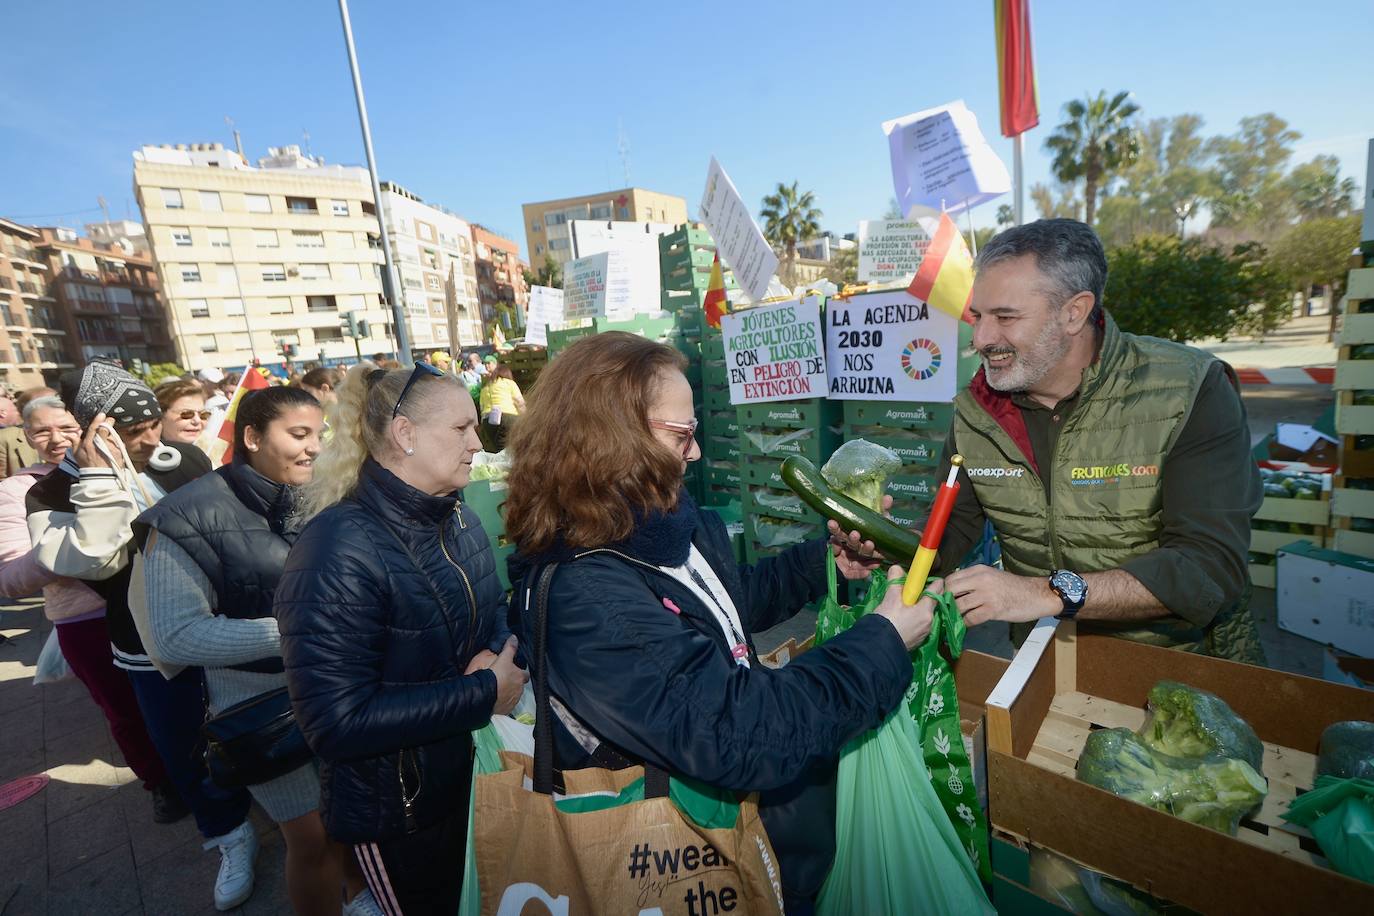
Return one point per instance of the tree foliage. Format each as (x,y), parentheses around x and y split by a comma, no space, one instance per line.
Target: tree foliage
(1318,189)
(790,216)
(155,374)
(1317,253)
(1190,290)
(550,274)
(1096,140)
(1066,205)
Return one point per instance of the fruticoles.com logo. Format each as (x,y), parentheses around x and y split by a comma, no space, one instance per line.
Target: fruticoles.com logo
(1109,473)
(921,359)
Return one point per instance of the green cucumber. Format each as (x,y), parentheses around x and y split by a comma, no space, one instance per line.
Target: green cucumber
(896,543)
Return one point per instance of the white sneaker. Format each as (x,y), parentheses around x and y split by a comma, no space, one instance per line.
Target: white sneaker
(237,849)
(362,905)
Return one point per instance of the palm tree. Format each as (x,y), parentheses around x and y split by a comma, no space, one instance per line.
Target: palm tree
(1096,140)
(790,216)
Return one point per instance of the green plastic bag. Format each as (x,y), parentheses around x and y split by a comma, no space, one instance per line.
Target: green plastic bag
(1340,814)
(897,848)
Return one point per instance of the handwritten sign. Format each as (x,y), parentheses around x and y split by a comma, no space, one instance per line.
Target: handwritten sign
(545,311)
(890,251)
(634,255)
(890,346)
(584,287)
(774,352)
(941,161)
(738,238)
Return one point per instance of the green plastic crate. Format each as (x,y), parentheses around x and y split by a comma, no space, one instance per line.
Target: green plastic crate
(919,453)
(898,414)
(485,498)
(723,422)
(779,503)
(721,448)
(715,397)
(722,474)
(687,234)
(713,348)
(809,413)
(912,488)
(779,443)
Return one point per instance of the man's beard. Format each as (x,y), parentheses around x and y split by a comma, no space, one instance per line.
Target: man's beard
(1028,367)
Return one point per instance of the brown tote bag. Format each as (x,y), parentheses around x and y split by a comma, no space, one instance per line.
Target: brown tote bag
(594,853)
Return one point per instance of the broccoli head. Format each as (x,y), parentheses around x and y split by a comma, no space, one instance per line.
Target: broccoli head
(1187,722)
(859,469)
(1211,791)
(1347,750)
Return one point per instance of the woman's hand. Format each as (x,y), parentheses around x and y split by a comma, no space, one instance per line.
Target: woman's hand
(88,455)
(484,659)
(855,557)
(912,622)
(510,679)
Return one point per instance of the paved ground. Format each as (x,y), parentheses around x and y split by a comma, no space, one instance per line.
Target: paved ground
(1299,343)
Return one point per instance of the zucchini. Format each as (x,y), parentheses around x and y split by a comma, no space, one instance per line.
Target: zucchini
(896,543)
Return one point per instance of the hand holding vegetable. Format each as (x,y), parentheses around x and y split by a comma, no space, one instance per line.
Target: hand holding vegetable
(855,557)
(912,621)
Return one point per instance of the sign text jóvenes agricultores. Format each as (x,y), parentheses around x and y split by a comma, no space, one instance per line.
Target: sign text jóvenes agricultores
(774,352)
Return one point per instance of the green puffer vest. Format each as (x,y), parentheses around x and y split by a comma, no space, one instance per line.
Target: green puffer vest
(1105,490)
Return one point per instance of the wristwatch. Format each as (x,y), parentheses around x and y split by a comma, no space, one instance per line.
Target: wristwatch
(1071,589)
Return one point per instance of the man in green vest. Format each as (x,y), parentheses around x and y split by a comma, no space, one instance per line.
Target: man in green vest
(1116,469)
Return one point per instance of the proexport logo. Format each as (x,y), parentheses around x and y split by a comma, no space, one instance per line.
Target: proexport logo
(995,472)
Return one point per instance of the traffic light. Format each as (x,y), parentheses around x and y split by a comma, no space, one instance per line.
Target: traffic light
(364,329)
(350,324)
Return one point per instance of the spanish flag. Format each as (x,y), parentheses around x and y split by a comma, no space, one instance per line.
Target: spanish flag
(1015,67)
(945,277)
(715,302)
(251,380)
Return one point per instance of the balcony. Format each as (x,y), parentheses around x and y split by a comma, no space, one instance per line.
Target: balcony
(31,289)
(20,253)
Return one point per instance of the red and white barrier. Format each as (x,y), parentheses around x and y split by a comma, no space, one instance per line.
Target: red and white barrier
(1319,375)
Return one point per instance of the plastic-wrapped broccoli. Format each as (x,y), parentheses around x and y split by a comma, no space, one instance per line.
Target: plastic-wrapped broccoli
(1347,750)
(859,469)
(1187,722)
(1210,791)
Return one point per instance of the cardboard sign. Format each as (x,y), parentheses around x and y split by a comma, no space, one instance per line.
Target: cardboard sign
(941,161)
(598,286)
(890,251)
(890,346)
(774,352)
(738,238)
(634,254)
(545,311)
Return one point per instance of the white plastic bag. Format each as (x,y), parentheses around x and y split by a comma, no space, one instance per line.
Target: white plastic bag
(52,666)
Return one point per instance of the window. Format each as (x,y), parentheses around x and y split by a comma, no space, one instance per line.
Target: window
(307,239)
(321,304)
(258,203)
(171,198)
(208,344)
(314,271)
(181,238)
(233,307)
(6,313)
(347,272)
(536,226)
(228,275)
(338,207)
(273,273)
(432,283)
(555,219)
(601,212)
(557,244)
(219,238)
(279,306)
(424,231)
(538,249)
(190,273)
(441,333)
(368,208)
(301,205)
(624,212)
(265,238)
(209,201)
(429,258)
(18,353)
(326,335)
(199,308)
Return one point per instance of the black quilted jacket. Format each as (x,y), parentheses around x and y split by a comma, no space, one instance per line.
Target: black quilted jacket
(377,626)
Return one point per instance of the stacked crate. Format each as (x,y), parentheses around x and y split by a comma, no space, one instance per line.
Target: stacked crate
(1297,507)
(684,259)
(485,498)
(650,326)
(774,517)
(1352,500)
(525,364)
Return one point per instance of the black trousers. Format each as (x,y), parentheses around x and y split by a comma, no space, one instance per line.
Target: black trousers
(420,873)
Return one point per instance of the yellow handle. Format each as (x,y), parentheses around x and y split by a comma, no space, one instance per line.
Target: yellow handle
(916,576)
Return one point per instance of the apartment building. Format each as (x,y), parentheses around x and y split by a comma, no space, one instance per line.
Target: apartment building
(251,258)
(546,223)
(431,246)
(107,299)
(33,340)
(500,275)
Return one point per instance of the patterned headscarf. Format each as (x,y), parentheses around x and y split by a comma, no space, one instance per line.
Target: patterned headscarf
(103,387)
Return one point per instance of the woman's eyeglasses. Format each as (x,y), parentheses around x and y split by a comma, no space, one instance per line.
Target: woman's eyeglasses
(421,369)
(687,430)
(205,415)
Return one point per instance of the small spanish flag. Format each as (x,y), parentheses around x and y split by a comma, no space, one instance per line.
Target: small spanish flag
(945,277)
(715,303)
(252,380)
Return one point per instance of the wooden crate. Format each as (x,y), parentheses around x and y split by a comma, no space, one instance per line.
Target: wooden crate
(1279,509)
(1064,683)
(1352,517)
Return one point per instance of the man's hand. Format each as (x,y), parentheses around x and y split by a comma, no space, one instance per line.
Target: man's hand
(855,557)
(484,659)
(983,593)
(89,456)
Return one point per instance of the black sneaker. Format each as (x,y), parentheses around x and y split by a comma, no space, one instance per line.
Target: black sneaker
(168,808)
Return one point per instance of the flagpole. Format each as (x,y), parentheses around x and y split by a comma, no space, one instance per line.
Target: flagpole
(1019,204)
(972,236)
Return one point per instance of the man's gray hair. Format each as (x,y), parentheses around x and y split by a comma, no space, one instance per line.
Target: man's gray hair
(50,402)
(1066,251)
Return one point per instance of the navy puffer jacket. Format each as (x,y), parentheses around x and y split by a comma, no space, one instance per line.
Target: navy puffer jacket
(385,599)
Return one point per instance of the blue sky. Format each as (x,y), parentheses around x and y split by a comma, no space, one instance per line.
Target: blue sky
(481,107)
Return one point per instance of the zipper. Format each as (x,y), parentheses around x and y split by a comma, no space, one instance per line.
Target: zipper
(408,801)
(467,583)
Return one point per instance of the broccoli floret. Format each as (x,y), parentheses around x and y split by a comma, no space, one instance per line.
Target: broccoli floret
(1347,750)
(1212,792)
(1187,722)
(859,469)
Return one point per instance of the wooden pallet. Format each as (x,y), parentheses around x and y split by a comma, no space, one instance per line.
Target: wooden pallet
(1349,507)
(1073,716)
(1316,513)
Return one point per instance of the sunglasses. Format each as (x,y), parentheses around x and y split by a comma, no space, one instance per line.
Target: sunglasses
(420,371)
(687,430)
(189,414)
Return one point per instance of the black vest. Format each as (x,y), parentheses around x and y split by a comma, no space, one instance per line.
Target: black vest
(238,526)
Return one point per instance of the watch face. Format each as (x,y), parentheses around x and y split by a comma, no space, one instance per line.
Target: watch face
(1070,585)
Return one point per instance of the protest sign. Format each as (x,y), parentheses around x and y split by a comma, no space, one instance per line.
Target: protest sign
(774,352)
(598,286)
(738,239)
(634,248)
(890,346)
(545,312)
(941,161)
(890,251)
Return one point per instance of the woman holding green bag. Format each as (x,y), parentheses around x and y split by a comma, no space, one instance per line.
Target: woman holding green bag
(650,620)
